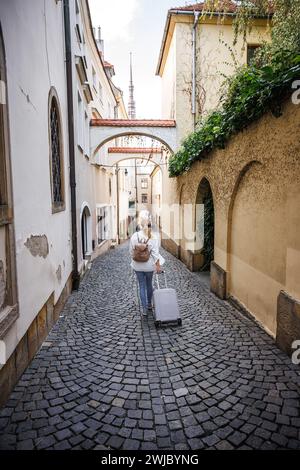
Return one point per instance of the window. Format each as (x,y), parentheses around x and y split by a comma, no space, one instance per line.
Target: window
(104,223)
(94,78)
(251,49)
(86,135)
(78,22)
(144,183)
(80,122)
(144,198)
(100,92)
(109,187)
(56,160)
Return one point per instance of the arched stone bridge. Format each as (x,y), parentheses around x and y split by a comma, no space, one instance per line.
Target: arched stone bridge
(104,130)
(152,155)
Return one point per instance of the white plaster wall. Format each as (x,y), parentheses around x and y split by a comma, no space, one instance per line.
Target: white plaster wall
(156,182)
(34,43)
(91,184)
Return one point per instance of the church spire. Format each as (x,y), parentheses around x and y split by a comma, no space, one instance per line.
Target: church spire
(131,102)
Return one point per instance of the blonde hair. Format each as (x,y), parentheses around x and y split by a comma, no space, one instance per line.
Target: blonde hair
(144,222)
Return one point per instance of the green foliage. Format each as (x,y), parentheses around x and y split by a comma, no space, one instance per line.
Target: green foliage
(253,90)
(208,248)
(283,14)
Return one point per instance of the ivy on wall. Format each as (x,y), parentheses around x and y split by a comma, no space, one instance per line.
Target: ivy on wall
(208,248)
(252,92)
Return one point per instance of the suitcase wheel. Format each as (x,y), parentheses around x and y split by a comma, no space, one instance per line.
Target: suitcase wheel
(179,321)
(157,323)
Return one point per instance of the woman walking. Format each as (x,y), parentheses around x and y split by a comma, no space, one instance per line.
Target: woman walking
(146,259)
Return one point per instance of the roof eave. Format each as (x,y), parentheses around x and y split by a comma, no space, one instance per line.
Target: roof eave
(163,43)
(188,12)
(95,44)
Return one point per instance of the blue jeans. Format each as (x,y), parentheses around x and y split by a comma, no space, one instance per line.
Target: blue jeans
(146,289)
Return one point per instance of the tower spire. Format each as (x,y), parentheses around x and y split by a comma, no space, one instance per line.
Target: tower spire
(131,102)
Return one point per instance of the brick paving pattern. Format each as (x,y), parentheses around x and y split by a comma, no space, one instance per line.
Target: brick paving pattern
(107,379)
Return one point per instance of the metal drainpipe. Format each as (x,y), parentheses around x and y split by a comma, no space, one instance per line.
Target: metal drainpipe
(75,273)
(196,18)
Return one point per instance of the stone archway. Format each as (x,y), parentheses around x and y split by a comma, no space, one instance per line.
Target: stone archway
(104,130)
(205,227)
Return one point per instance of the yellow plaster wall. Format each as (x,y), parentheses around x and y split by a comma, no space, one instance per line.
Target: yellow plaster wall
(255,183)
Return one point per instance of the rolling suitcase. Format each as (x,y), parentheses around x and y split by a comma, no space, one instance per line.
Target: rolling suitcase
(165,304)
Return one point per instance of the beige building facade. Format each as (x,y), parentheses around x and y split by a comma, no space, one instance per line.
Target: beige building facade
(96,96)
(252,184)
(196,53)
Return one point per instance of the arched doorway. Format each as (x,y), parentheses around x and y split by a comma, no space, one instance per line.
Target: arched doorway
(205,227)
(86,235)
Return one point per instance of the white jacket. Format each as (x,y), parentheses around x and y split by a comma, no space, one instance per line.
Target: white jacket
(153,245)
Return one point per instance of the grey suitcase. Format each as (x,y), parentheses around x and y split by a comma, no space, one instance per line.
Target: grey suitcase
(165,304)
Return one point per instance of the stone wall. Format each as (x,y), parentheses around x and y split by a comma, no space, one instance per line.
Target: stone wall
(288,322)
(255,184)
(31,342)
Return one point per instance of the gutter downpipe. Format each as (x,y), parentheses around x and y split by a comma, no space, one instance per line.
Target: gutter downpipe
(196,18)
(75,273)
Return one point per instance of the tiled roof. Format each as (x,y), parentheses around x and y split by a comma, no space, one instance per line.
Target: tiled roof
(133,122)
(134,150)
(223,5)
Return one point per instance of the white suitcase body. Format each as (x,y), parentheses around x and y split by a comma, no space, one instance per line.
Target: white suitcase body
(165,305)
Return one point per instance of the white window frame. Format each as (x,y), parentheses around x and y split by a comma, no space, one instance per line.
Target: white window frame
(80,121)
(86,134)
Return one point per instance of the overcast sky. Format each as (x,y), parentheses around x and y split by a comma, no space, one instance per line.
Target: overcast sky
(135,26)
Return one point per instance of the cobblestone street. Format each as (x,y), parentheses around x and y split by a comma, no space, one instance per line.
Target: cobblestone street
(106,378)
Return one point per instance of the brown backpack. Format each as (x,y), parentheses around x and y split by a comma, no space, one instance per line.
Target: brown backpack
(141,252)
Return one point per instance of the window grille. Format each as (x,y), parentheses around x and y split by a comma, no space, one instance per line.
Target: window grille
(57,190)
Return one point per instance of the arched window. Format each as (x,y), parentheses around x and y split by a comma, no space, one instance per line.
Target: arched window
(56,154)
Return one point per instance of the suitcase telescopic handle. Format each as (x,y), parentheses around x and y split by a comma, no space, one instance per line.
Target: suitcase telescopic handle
(157,276)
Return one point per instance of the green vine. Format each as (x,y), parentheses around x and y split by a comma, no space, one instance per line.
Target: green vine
(208,248)
(252,92)
(255,89)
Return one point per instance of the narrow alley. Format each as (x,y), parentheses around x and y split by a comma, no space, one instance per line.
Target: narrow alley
(107,379)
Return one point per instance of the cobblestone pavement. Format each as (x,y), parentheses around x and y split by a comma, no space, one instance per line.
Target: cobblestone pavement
(105,378)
